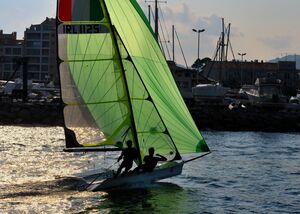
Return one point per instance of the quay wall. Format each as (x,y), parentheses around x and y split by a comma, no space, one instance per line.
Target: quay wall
(251,118)
(207,117)
(30,114)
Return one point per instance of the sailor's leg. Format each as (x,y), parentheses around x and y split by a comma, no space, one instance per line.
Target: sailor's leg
(120,168)
(127,168)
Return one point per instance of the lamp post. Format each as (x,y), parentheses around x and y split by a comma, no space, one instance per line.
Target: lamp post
(198,31)
(242,55)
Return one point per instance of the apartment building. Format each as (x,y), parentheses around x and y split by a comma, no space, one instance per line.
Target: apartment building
(40,49)
(11,49)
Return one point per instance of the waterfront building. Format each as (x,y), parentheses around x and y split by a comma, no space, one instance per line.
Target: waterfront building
(234,74)
(10,50)
(41,50)
(186,78)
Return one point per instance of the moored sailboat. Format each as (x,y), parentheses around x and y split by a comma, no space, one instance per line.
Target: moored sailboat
(116,86)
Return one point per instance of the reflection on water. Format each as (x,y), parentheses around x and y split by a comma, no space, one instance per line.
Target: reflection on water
(246,173)
(150,200)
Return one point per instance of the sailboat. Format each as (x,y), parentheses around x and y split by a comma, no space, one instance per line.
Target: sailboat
(116,86)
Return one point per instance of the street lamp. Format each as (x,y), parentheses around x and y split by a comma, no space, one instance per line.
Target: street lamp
(242,55)
(198,31)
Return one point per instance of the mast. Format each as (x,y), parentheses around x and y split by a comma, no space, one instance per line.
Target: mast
(156,19)
(173,43)
(227,44)
(177,155)
(134,131)
(222,51)
(149,13)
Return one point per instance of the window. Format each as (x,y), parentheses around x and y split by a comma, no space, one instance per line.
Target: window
(33,44)
(17,51)
(8,51)
(45,60)
(7,67)
(6,75)
(46,36)
(34,52)
(33,67)
(34,60)
(33,36)
(44,67)
(46,44)
(33,75)
(45,52)
(37,28)
(46,27)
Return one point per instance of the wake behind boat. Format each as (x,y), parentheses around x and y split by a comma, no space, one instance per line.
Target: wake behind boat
(116,87)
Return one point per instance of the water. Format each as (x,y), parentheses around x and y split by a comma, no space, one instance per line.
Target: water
(247,172)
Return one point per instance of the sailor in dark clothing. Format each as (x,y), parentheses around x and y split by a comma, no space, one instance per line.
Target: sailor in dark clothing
(128,154)
(150,161)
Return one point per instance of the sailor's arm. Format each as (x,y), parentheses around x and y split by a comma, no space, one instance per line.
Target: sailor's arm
(161,158)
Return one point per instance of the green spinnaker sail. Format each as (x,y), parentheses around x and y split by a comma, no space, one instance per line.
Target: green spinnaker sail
(117,85)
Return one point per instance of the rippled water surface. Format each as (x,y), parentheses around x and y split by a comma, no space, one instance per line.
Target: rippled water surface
(246,173)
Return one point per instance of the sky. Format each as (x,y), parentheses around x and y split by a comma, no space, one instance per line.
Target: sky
(263,29)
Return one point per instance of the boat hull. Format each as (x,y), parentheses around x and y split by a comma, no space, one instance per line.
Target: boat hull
(135,180)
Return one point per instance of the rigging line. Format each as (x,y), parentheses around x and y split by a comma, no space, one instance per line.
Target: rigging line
(114,34)
(177,152)
(100,174)
(181,49)
(138,17)
(178,116)
(231,50)
(162,46)
(162,88)
(163,18)
(148,44)
(196,157)
(167,41)
(157,51)
(159,40)
(164,41)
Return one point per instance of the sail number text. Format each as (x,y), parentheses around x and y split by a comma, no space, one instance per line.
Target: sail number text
(84,29)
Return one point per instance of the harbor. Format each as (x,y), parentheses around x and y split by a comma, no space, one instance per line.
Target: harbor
(104,110)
